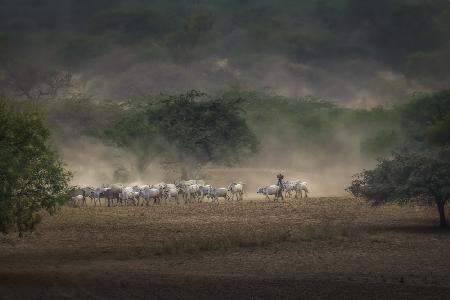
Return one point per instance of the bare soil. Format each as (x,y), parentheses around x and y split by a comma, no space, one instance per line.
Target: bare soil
(319,248)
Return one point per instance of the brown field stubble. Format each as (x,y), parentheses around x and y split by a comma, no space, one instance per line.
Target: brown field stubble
(318,247)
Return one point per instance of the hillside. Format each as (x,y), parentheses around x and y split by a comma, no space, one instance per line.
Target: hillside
(347,50)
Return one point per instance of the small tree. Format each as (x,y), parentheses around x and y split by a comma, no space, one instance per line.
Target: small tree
(31,175)
(407,177)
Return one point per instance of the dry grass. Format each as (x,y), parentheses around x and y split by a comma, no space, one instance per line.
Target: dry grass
(334,242)
(174,229)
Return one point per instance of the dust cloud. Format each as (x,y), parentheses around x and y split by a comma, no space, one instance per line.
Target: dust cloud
(357,82)
(93,163)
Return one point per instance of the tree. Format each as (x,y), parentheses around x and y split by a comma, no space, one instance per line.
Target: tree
(25,71)
(406,177)
(427,118)
(31,175)
(190,130)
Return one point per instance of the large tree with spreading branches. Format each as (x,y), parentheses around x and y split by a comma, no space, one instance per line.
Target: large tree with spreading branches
(406,177)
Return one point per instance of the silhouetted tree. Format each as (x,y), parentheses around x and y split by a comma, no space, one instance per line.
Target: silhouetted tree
(408,177)
(191,129)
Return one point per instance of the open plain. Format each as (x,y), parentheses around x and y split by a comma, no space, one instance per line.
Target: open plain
(330,247)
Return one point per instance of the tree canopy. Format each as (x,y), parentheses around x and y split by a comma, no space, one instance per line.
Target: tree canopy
(42,40)
(189,129)
(427,118)
(408,176)
(32,177)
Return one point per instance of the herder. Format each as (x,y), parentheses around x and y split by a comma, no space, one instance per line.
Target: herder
(281,185)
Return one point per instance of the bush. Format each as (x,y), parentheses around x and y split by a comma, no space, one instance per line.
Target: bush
(408,176)
(31,175)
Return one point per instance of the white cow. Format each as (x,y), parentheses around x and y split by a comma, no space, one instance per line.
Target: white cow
(216,193)
(78,200)
(299,187)
(269,190)
(192,191)
(171,186)
(204,191)
(160,185)
(78,197)
(236,189)
(289,187)
(149,193)
(129,194)
(172,192)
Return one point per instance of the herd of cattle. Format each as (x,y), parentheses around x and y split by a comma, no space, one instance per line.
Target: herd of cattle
(186,190)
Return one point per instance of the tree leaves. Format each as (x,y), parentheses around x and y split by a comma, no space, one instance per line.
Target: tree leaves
(407,176)
(31,176)
(191,128)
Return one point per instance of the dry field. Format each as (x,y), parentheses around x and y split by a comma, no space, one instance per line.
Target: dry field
(314,248)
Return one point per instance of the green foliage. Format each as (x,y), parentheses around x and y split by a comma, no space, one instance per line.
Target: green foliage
(421,175)
(408,176)
(190,128)
(381,144)
(312,125)
(31,176)
(427,118)
(439,133)
(405,35)
(306,124)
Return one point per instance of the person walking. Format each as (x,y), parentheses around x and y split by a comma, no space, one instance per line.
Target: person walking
(280,184)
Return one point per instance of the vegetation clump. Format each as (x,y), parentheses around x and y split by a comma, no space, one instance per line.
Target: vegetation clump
(32,177)
(408,176)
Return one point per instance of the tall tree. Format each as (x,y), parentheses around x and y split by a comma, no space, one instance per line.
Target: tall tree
(190,130)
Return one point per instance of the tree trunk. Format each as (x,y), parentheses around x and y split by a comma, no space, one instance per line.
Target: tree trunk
(441,209)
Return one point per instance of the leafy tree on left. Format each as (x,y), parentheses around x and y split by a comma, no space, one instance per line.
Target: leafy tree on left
(32,178)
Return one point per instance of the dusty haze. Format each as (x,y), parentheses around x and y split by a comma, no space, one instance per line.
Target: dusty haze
(93,163)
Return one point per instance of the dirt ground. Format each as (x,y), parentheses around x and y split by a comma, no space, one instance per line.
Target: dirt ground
(317,248)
